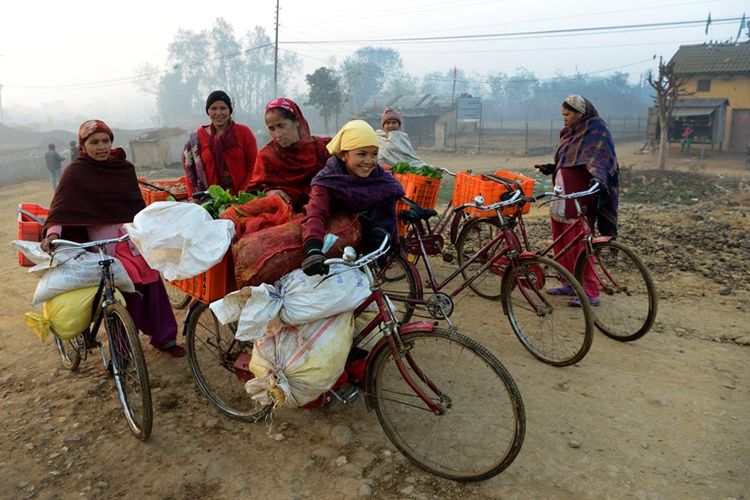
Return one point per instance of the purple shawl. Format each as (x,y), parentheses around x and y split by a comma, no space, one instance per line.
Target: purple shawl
(357,194)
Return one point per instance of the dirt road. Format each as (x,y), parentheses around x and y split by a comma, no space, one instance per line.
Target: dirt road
(664,417)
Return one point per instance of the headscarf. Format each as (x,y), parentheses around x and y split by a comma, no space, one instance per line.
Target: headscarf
(355,134)
(578,103)
(218,95)
(390,113)
(588,142)
(93,192)
(291,168)
(91,127)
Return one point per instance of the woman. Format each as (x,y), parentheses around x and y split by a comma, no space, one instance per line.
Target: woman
(351,182)
(586,152)
(222,152)
(286,165)
(99,192)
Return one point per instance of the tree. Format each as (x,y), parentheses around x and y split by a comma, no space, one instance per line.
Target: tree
(669,87)
(366,71)
(325,93)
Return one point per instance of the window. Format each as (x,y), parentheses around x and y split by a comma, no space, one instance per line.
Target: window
(704,85)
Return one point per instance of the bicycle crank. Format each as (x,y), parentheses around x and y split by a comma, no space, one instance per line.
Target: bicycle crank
(440,306)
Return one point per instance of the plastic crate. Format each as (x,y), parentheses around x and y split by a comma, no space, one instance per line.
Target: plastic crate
(469,186)
(177,187)
(213,284)
(29,229)
(421,190)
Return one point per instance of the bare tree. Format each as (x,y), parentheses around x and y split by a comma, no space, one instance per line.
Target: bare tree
(669,87)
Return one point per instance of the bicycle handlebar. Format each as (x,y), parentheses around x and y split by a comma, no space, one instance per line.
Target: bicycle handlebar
(363,260)
(88,244)
(446,171)
(556,193)
(515,198)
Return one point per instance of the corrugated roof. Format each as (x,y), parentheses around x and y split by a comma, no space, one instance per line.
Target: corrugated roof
(716,58)
(700,103)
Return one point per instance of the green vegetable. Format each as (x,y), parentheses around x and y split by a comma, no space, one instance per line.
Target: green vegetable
(221,199)
(403,167)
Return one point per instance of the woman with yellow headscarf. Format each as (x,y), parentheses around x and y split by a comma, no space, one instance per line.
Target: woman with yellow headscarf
(352,182)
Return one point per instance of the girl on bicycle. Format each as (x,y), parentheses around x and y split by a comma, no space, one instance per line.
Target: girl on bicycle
(586,152)
(351,182)
(98,192)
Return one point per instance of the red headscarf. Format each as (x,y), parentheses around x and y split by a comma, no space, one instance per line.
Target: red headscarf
(91,127)
(292,168)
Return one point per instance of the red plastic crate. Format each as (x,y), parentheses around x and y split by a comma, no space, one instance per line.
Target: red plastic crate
(469,186)
(178,188)
(29,229)
(213,284)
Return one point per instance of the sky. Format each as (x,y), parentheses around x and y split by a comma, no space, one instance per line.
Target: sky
(78,57)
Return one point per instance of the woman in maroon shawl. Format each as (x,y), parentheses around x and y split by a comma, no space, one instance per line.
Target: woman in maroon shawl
(222,152)
(286,165)
(586,152)
(98,192)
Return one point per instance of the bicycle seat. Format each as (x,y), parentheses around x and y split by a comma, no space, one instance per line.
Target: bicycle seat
(417,213)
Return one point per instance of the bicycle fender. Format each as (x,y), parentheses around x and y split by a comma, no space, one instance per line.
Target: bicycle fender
(526,255)
(602,239)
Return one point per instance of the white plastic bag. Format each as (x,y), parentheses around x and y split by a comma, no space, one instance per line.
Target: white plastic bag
(68,270)
(253,307)
(303,361)
(180,240)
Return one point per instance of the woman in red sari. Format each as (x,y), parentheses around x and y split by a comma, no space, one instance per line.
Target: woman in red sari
(286,165)
(222,152)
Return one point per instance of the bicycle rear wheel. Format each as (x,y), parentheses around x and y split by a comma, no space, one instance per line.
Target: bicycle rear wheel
(129,368)
(627,307)
(547,325)
(212,352)
(484,423)
(396,280)
(475,234)
(177,298)
(68,351)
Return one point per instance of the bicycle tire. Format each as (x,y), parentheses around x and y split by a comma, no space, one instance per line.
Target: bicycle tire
(547,326)
(397,281)
(68,351)
(473,236)
(484,425)
(210,359)
(130,372)
(628,302)
(177,298)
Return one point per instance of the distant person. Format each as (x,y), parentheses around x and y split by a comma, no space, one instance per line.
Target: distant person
(73,150)
(586,152)
(688,133)
(222,152)
(395,145)
(286,165)
(54,164)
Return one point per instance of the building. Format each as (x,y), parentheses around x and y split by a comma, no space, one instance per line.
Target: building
(156,149)
(718,102)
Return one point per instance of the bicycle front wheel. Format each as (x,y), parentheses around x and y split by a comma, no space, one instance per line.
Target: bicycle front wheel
(68,351)
(548,326)
(483,424)
(627,307)
(396,280)
(212,354)
(129,368)
(475,234)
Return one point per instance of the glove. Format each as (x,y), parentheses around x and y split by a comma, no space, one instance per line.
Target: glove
(314,258)
(545,168)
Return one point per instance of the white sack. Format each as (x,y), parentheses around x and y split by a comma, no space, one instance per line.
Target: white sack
(180,240)
(252,307)
(303,361)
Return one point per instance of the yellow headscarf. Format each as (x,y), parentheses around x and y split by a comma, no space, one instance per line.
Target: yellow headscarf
(355,134)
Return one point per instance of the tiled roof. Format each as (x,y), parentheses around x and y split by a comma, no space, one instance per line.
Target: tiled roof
(717,58)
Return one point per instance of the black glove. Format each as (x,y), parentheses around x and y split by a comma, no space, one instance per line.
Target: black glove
(545,168)
(314,258)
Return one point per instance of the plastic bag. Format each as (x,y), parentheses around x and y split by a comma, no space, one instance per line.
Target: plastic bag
(68,270)
(66,315)
(180,240)
(299,363)
(252,307)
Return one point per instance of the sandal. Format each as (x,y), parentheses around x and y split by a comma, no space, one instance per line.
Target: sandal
(562,290)
(174,350)
(576,302)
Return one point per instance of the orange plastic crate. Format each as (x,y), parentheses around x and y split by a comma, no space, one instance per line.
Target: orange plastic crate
(178,188)
(213,284)
(421,190)
(469,186)
(29,229)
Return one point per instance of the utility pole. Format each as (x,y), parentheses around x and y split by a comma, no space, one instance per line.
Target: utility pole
(276,55)
(1,103)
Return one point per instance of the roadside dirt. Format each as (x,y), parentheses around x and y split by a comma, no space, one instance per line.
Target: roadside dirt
(664,417)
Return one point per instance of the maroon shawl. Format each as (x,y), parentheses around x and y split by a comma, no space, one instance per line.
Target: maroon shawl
(218,145)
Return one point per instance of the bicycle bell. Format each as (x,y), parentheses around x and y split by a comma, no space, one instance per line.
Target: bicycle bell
(479,200)
(350,254)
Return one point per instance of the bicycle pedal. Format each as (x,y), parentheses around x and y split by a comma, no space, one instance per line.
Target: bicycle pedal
(448,257)
(347,394)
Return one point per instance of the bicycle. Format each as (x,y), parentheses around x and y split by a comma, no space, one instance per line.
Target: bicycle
(442,398)
(126,361)
(550,330)
(628,307)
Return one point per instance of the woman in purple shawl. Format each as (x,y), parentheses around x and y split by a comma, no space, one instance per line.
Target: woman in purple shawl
(586,152)
(354,183)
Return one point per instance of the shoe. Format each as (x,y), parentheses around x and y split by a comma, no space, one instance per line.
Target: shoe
(174,350)
(562,290)
(576,302)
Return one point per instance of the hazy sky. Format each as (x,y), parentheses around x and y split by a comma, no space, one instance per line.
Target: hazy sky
(82,54)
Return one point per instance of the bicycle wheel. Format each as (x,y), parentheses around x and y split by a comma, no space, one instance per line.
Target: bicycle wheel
(129,368)
(396,280)
(212,352)
(68,351)
(627,307)
(177,298)
(482,428)
(547,326)
(475,234)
